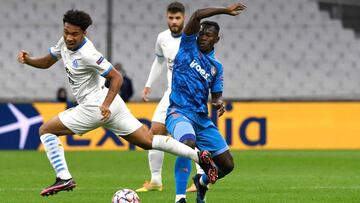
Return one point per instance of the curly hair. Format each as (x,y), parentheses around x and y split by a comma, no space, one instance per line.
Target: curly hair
(78,18)
(211,23)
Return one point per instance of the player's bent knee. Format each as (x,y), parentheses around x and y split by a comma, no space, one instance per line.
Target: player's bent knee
(158,128)
(225,170)
(145,143)
(190,142)
(43,129)
(141,138)
(229,167)
(146,146)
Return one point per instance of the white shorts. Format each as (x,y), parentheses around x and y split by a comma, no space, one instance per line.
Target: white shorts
(161,109)
(86,117)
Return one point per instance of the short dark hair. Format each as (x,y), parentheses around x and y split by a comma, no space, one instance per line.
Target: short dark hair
(211,23)
(78,18)
(175,7)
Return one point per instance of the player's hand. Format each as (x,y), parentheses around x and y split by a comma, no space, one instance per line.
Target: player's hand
(145,94)
(235,9)
(105,112)
(220,107)
(23,56)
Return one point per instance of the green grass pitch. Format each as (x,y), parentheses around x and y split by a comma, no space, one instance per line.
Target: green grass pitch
(259,176)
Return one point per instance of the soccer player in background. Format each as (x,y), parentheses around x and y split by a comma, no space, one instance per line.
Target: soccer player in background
(166,48)
(98,106)
(195,72)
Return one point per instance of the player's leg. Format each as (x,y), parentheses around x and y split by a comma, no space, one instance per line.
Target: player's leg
(225,163)
(143,138)
(155,158)
(77,120)
(49,133)
(209,138)
(200,171)
(182,171)
(182,130)
(126,125)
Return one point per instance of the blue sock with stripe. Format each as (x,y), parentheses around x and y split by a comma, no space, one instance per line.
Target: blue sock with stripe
(182,173)
(204,180)
(55,153)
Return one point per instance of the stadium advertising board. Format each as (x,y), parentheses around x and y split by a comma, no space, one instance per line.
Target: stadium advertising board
(245,125)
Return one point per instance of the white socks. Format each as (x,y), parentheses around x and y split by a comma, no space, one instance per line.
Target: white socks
(199,170)
(55,153)
(178,197)
(168,144)
(156,159)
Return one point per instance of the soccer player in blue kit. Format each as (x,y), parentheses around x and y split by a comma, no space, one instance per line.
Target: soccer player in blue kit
(195,72)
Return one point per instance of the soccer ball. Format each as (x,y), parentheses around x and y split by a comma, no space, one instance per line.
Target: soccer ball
(125,196)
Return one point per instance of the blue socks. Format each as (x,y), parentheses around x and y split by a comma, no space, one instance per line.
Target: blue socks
(183,131)
(204,180)
(182,173)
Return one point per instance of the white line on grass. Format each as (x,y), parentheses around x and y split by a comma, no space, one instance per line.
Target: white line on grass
(83,189)
(326,187)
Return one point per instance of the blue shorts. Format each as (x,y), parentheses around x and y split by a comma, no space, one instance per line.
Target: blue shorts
(208,138)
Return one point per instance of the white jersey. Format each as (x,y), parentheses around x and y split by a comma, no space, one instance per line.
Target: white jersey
(84,68)
(166,47)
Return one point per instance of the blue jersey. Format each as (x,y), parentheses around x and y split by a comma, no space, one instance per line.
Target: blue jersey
(194,74)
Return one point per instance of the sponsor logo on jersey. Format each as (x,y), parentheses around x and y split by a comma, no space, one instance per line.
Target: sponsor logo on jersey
(71,81)
(68,71)
(100,60)
(199,69)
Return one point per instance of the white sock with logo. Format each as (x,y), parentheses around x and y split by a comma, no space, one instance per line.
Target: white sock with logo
(199,170)
(156,159)
(55,153)
(170,145)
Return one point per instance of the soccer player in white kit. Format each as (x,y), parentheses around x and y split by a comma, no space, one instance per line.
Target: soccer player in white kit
(98,106)
(166,48)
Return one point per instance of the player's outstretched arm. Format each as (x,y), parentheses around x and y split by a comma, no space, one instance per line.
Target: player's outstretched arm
(43,62)
(193,26)
(218,103)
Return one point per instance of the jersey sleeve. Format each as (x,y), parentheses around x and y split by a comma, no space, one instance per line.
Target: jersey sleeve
(158,64)
(158,49)
(99,63)
(55,51)
(218,83)
(156,69)
(188,41)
